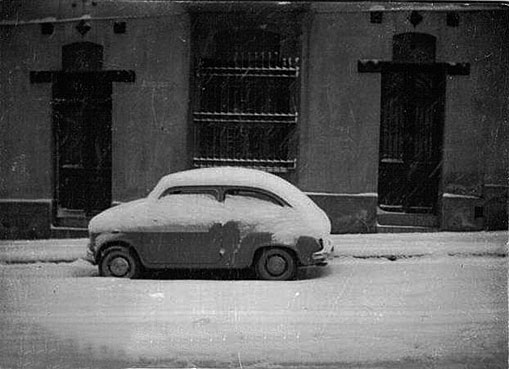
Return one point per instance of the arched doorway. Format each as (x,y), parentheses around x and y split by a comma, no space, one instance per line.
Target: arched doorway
(412,119)
(82,137)
(82,131)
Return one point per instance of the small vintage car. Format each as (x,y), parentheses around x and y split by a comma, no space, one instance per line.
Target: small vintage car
(223,217)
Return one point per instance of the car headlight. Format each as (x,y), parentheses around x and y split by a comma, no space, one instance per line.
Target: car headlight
(91,243)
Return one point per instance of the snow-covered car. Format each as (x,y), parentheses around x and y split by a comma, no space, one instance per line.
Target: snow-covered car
(213,218)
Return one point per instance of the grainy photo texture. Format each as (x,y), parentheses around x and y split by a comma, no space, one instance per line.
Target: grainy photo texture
(253,184)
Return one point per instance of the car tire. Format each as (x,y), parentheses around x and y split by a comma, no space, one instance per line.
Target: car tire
(119,262)
(276,264)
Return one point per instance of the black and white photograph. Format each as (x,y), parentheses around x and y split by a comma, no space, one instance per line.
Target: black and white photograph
(254,184)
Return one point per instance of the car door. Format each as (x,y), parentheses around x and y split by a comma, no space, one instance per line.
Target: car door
(187,229)
(252,214)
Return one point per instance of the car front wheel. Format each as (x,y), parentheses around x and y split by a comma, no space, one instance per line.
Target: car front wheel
(119,262)
(276,265)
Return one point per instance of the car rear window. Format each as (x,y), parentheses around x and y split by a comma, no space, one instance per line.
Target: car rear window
(253,194)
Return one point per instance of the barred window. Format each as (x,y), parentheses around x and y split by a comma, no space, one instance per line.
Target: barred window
(246,114)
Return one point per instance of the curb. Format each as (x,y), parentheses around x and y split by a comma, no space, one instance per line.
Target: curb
(382,246)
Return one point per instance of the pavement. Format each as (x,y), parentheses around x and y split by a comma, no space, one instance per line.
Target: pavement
(391,246)
(433,308)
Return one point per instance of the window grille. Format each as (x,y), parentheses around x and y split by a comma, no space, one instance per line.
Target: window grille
(246,114)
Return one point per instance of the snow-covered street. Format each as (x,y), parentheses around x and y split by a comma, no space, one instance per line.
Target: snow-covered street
(429,309)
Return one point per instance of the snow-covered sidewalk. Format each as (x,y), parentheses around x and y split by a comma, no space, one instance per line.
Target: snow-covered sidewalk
(422,244)
(52,250)
(388,245)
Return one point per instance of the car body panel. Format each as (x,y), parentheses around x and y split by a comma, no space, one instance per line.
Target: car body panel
(192,223)
(233,254)
(165,248)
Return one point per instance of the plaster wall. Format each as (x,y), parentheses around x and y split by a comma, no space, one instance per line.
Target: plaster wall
(339,138)
(339,134)
(339,115)
(477,106)
(149,116)
(25,118)
(150,124)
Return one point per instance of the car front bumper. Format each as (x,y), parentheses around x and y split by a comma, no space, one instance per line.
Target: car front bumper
(326,253)
(90,256)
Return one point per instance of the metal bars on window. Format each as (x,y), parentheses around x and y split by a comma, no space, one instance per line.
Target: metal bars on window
(247,111)
(256,64)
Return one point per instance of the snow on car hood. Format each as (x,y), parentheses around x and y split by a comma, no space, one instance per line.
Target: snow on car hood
(120,217)
(198,213)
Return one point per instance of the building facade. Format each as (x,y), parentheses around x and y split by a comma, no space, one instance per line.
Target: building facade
(390,116)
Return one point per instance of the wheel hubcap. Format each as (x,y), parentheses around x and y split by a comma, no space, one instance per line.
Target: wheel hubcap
(119,266)
(276,265)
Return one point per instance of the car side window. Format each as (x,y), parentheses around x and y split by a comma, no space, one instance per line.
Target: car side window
(182,191)
(252,194)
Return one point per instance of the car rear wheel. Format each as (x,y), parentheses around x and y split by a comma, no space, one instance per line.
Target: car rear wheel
(276,265)
(119,262)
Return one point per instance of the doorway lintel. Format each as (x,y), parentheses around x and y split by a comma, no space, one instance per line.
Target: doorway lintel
(379,66)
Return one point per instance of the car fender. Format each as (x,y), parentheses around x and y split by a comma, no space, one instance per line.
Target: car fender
(306,246)
(242,251)
(253,243)
(105,240)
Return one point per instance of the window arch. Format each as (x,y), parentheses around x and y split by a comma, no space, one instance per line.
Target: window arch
(414,47)
(82,57)
(247,40)
(247,88)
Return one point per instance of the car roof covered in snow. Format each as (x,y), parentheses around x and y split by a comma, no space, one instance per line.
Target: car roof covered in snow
(235,176)
(228,176)
(222,176)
